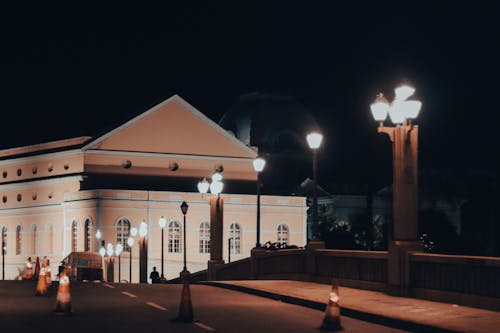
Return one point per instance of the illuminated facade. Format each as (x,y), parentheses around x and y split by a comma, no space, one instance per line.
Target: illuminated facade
(56,195)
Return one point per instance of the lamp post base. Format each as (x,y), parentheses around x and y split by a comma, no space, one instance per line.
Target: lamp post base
(398,266)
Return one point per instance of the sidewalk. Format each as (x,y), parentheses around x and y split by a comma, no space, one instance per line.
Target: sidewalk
(411,314)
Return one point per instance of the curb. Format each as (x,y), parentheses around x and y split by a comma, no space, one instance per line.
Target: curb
(348,312)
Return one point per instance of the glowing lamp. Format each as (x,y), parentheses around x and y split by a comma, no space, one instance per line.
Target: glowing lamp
(109,249)
(380,107)
(119,249)
(404,91)
(98,234)
(162,222)
(143,229)
(130,241)
(411,109)
(314,140)
(216,177)
(216,187)
(133,231)
(102,251)
(259,164)
(396,113)
(203,186)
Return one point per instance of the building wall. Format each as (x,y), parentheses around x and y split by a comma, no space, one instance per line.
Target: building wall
(105,207)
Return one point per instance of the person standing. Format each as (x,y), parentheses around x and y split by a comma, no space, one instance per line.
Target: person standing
(29,269)
(154,276)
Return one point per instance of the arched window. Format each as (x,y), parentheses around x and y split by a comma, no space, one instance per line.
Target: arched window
(174,237)
(204,237)
(88,235)
(4,239)
(33,239)
(122,233)
(74,236)
(283,234)
(51,238)
(18,240)
(235,238)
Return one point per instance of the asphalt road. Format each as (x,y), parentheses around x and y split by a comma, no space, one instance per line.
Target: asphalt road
(123,308)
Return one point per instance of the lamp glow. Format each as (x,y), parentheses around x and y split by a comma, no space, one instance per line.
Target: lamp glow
(118,249)
(203,186)
(216,187)
(98,234)
(396,113)
(314,140)
(259,164)
(130,242)
(143,229)
(109,250)
(102,251)
(404,91)
(216,177)
(162,222)
(411,109)
(133,231)
(380,107)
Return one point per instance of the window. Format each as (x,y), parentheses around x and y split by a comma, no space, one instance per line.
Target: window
(283,234)
(88,235)
(51,238)
(74,236)
(18,240)
(204,237)
(33,239)
(174,237)
(235,238)
(4,239)
(122,233)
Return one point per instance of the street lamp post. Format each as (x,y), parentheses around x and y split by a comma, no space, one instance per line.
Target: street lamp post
(3,258)
(111,271)
(216,221)
(118,252)
(130,243)
(162,222)
(184,209)
(258,165)
(404,138)
(143,274)
(314,140)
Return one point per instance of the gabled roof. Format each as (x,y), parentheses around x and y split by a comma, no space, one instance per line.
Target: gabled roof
(174,127)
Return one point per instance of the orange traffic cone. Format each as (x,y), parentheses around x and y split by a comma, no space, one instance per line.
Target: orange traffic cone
(41,286)
(186,307)
(331,322)
(63,303)
(48,276)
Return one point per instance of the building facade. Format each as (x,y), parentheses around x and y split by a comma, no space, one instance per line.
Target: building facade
(56,195)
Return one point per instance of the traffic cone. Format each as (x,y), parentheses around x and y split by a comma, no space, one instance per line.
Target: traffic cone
(186,307)
(41,286)
(48,276)
(63,303)
(331,322)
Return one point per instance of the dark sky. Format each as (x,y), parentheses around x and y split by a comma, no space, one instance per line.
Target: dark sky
(77,70)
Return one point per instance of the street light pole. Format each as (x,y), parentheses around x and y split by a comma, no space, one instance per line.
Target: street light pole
(130,243)
(3,258)
(118,252)
(184,208)
(404,138)
(162,222)
(314,140)
(258,165)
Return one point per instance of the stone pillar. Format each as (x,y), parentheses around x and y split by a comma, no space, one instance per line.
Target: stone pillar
(216,233)
(405,206)
(143,260)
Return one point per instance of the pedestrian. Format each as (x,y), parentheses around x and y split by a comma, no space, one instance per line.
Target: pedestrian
(37,268)
(29,269)
(154,276)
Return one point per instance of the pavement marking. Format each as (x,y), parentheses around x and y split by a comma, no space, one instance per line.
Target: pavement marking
(154,305)
(129,294)
(109,286)
(205,327)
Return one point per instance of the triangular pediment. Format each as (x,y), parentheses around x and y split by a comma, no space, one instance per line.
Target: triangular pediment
(173,127)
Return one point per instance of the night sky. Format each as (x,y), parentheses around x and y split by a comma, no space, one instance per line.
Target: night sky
(76,70)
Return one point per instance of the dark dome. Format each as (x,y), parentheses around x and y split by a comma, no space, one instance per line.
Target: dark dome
(277,125)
